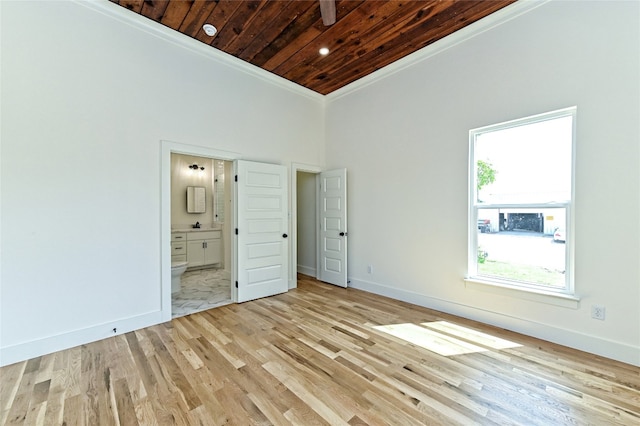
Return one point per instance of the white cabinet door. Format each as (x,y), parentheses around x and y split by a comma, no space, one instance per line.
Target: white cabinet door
(195,253)
(262,230)
(333,227)
(212,251)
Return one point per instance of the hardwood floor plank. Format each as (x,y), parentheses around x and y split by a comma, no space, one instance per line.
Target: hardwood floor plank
(179,383)
(321,379)
(36,413)
(176,347)
(46,368)
(193,359)
(314,356)
(254,379)
(199,416)
(92,386)
(73,372)
(9,384)
(304,417)
(271,413)
(141,362)
(212,360)
(388,408)
(18,412)
(176,413)
(145,413)
(163,386)
(217,412)
(24,394)
(299,385)
(207,329)
(124,404)
(55,401)
(40,392)
(72,413)
(233,399)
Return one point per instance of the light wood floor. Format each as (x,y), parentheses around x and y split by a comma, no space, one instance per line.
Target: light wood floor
(311,356)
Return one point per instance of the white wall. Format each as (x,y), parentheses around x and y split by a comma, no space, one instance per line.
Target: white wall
(306,224)
(404,139)
(86,99)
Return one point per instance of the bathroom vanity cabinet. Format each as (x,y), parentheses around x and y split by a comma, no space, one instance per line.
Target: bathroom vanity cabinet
(204,248)
(178,247)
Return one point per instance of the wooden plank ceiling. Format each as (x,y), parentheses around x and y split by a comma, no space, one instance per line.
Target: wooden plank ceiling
(284,36)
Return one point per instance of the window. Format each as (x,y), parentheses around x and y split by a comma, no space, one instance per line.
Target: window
(520,197)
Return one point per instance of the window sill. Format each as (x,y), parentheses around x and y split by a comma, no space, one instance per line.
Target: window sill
(564,300)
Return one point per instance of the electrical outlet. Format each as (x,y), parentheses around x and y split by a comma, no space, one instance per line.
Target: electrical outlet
(597,312)
(369,269)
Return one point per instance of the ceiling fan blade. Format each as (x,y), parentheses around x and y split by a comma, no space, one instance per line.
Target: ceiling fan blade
(328,12)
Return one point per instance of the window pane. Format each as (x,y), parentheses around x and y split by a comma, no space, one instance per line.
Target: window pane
(521,186)
(526,245)
(530,163)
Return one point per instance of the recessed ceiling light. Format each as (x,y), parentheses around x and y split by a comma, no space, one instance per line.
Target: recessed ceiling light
(209,30)
(324,51)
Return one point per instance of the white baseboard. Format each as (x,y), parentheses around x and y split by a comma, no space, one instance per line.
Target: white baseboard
(27,350)
(306,270)
(593,344)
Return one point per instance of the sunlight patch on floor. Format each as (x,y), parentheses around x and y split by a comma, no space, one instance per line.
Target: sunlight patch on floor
(432,337)
(429,339)
(472,335)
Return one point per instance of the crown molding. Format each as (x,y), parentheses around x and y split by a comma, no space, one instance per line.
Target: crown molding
(155,29)
(487,23)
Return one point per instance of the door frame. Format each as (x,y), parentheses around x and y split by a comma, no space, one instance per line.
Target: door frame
(293,246)
(166,149)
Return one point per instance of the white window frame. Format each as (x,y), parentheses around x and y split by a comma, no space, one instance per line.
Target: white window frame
(568,291)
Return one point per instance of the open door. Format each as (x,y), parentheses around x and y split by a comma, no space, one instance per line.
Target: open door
(262,228)
(333,227)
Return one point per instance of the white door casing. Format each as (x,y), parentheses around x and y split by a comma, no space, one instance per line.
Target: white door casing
(332,214)
(262,230)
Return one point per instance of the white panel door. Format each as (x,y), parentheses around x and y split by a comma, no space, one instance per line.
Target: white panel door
(333,227)
(262,228)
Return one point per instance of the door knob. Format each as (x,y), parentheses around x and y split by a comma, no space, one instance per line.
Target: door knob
(343,234)
(284,235)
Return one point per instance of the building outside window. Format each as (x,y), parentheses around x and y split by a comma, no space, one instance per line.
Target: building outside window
(520,197)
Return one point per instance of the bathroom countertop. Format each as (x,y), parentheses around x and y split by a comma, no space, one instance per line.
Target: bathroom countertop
(173,231)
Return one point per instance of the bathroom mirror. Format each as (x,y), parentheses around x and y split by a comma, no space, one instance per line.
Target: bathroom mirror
(196,199)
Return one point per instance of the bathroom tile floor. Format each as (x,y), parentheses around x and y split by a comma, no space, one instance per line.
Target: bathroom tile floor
(201,289)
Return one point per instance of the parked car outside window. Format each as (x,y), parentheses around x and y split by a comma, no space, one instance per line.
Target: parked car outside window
(484,225)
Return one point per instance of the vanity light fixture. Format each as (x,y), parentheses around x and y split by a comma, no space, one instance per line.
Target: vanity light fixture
(195,167)
(209,30)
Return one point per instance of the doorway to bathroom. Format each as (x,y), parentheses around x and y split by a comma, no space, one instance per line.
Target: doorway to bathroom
(200,233)
(257,250)
(237,249)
